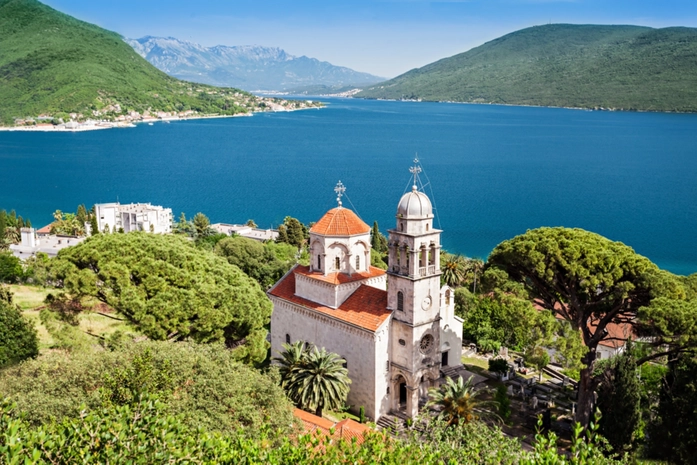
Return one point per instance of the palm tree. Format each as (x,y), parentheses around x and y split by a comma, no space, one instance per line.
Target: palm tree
(319,381)
(453,270)
(290,360)
(459,401)
(475,266)
(12,235)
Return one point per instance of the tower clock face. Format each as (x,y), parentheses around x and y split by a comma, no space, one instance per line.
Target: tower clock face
(426,303)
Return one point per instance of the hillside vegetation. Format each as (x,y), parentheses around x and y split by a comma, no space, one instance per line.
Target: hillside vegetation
(586,66)
(51,63)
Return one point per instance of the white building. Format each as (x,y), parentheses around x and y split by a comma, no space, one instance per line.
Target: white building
(134,217)
(395,334)
(50,244)
(246,231)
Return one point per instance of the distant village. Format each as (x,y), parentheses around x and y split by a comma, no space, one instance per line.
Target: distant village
(114,116)
(121,217)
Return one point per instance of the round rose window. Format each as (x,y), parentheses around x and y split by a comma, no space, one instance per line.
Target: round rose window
(426,344)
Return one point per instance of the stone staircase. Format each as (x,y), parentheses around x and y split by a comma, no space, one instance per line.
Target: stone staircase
(393,423)
(451,371)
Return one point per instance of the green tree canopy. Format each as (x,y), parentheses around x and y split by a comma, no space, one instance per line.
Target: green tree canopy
(293,232)
(204,382)
(169,289)
(254,258)
(10,268)
(587,280)
(18,339)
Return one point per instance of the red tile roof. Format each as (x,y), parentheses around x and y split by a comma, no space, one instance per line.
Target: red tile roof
(345,429)
(340,221)
(617,333)
(45,230)
(313,422)
(366,307)
(339,278)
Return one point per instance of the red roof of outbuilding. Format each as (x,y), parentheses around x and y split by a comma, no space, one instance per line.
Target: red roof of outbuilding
(366,307)
(340,221)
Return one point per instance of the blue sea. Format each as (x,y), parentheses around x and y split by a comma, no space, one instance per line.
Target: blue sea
(492,171)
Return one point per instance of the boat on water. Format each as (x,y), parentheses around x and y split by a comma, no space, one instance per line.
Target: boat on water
(150,124)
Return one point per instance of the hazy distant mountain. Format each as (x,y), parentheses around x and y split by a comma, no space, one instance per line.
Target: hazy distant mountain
(249,67)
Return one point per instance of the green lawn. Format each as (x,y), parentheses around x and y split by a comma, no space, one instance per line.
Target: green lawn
(31,300)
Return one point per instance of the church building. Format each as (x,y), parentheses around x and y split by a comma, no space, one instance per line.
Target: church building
(396,329)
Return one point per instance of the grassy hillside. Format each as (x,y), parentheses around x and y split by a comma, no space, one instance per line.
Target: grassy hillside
(53,63)
(621,67)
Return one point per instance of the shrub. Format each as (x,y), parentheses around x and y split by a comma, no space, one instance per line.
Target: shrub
(203,382)
(18,340)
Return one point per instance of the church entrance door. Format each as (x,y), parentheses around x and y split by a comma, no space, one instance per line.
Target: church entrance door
(444,359)
(402,395)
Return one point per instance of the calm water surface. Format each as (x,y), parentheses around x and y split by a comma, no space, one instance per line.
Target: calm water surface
(495,171)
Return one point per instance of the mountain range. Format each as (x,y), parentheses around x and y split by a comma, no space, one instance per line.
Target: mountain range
(565,65)
(53,65)
(248,67)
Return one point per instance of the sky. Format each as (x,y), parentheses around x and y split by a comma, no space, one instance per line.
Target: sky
(382,37)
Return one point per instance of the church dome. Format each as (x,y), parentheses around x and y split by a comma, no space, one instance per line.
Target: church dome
(415,204)
(340,222)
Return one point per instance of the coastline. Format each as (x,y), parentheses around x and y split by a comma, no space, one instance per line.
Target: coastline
(616,110)
(92,125)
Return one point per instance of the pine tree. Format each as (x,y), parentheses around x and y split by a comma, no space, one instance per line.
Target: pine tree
(618,400)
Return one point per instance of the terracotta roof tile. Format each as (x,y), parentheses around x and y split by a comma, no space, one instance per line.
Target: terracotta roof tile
(340,222)
(339,278)
(366,307)
(346,429)
(313,422)
(617,333)
(45,230)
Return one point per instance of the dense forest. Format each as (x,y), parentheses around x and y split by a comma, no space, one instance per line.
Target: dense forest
(564,65)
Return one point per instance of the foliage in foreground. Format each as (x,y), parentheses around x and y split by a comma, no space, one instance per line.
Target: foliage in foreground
(18,340)
(203,382)
(169,289)
(144,433)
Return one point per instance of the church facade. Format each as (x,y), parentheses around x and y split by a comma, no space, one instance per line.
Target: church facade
(396,329)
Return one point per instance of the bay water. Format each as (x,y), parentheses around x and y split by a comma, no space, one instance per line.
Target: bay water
(492,171)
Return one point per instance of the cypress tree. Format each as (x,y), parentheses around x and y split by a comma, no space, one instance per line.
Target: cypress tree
(673,432)
(27,223)
(81,215)
(94,226)
(3,224)
(618,400)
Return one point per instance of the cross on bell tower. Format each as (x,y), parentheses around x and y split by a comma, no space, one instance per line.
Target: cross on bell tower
(415,170)
(339,189)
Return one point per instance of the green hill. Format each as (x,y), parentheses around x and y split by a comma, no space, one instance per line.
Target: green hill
(51,63)
(619,67)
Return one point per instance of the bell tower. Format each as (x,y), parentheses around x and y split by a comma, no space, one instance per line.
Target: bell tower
(413,296)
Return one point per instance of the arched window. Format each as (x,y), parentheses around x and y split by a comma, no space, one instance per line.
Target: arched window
(447,297)
(401,226)
(287,338)
(426,226)
(337,263)
(358,262)
(400,301)
(319,262)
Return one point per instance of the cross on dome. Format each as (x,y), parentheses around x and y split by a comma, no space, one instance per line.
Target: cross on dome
(415,170)
(339,189)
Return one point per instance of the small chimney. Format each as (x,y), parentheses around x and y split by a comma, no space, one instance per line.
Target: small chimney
(28,237)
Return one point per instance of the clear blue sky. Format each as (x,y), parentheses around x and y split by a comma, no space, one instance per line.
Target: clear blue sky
(383,37)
